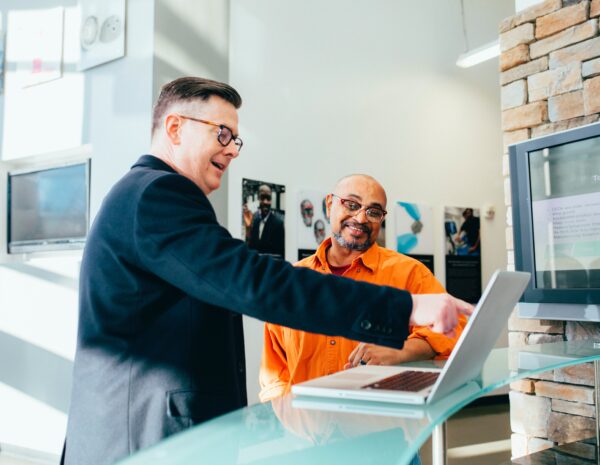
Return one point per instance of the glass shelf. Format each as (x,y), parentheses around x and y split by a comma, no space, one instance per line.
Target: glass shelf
(298,430)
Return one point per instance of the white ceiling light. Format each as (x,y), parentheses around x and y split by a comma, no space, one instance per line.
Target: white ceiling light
(479,54)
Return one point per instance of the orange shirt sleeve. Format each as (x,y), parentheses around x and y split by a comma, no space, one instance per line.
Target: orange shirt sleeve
(441,345)
(424,282)
(274,375)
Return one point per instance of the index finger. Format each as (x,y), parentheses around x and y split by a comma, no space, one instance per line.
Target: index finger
(451,334)
(464,307)
(356,349)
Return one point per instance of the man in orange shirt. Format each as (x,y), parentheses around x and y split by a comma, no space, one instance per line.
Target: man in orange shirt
(356,210)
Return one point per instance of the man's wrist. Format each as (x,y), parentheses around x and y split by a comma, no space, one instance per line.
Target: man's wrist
(400,356)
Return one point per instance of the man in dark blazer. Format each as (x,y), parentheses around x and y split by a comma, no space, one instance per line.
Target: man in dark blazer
(267,234)
(163,286)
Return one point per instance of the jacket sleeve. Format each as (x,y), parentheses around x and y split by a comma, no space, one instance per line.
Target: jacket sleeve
(180,241)
(274,375)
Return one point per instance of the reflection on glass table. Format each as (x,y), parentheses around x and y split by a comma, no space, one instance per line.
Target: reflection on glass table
(299,430)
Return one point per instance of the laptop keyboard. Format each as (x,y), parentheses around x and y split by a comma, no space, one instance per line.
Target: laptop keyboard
(411,381)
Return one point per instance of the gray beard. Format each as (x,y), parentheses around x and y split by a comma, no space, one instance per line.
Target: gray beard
(351,244)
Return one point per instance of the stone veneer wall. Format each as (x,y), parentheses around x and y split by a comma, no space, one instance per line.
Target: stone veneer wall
(550,78)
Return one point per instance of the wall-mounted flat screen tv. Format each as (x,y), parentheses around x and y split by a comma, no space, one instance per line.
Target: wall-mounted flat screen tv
(555,183)
(48,209)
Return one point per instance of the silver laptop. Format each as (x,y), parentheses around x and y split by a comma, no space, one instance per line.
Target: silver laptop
(387,409)
(415,385)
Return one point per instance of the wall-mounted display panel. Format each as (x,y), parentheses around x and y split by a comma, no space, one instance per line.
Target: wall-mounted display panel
(48,209)
(555,185)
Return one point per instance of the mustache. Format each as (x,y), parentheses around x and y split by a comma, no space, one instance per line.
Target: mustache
(363,227)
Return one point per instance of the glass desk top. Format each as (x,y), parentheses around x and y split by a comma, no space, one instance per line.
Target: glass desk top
(309,430)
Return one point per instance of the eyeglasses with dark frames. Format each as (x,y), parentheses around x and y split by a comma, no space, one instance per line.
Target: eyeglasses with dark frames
(373,214)
(224,136)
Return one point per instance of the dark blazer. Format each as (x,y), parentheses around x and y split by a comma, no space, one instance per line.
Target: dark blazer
(272,240)
(162,288)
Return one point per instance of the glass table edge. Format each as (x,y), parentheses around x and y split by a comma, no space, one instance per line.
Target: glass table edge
(158,454)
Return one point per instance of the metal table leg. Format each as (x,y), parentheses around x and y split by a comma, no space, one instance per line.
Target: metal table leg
(438,445)
(597,402)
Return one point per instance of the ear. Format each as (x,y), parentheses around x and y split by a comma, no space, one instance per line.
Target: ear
(328,201)
(173,128)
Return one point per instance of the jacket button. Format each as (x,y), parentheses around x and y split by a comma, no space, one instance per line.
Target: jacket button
(365,324)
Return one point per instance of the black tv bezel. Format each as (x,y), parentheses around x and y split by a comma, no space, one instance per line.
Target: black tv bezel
(523,221)
(50,244)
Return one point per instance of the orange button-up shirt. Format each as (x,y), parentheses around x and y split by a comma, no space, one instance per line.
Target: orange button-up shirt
(291,356)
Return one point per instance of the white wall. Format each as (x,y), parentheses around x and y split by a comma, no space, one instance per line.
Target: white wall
(332,88)
(192,39)
(38,298)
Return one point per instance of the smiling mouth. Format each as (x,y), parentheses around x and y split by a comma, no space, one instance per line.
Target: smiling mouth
(357,228)
(219,166)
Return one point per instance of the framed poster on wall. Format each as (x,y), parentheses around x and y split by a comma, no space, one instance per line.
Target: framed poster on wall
(312,222)
(414,232)
(35,45)
(463,252)
(263,214)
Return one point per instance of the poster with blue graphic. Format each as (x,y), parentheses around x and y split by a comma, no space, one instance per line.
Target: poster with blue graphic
(414,231)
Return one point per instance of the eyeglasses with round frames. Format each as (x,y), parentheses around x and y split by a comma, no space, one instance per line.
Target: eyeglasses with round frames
(373,214)
(224,136)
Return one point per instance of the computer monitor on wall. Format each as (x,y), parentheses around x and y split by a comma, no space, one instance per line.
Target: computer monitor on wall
(48,208)
(555,185)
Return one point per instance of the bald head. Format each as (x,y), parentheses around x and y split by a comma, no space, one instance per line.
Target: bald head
(347,208)
(362,182)
(264,189)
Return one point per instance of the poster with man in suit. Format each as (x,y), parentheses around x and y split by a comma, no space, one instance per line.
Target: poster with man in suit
(263,216)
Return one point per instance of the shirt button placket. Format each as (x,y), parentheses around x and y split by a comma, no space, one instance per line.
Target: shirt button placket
(333,356)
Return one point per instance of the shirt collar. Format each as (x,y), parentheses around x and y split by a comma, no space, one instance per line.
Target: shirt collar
(153,162)
(369,259)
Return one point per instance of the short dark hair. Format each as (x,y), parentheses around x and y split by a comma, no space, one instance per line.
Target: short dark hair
(191,88)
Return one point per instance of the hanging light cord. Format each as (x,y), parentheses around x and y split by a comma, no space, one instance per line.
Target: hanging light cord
(464,24)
